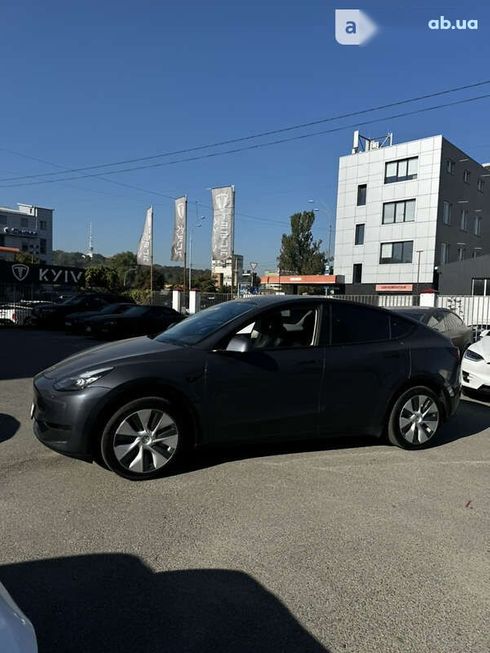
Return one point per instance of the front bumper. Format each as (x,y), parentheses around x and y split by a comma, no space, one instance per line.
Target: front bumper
(475,375)
(64,421)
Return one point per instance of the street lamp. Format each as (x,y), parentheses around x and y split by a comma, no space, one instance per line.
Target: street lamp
(126,275)
(327,212)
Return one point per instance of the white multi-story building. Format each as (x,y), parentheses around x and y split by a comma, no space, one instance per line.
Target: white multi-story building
(230,273)
(29,229)
(405,210)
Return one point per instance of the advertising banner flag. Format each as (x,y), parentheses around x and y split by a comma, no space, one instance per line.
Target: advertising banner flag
(145,248)
(180,228)
(223,222)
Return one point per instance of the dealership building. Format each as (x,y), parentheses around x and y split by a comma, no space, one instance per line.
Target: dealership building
(28,229)
(404,211)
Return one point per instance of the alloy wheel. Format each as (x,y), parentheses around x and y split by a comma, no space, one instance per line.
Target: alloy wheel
(146,440)
(419,419)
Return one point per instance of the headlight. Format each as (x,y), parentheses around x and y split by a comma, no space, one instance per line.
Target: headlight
(82,380)
(472,355)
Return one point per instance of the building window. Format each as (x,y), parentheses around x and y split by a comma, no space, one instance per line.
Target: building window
(466,176)
(480,287)
(359,234)
(477,225)
(42,245)
(399,211)
(444,253)
(361,194)
(43,225)
(402,170)
(477,252)
(3,219)
(25,247)
(464,220)
(481,185)
(401,252)
(2,241)
(447,211)
(24,223)
(450,165)
(461,253)
(357,273)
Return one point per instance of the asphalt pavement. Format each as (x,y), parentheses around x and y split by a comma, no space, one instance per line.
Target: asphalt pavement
(342,546)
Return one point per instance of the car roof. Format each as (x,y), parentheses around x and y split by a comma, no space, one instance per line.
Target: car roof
(415,309)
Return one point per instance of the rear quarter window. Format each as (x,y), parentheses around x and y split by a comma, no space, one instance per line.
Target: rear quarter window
(400,327)
(358,324)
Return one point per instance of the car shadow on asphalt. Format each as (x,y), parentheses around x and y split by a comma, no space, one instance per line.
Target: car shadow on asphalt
(471,418)
(25,352)
(8,427)
(114,603)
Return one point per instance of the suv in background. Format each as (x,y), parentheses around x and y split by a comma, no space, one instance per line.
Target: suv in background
(53,317)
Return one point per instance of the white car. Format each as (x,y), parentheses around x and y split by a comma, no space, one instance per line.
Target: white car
(475,366)
(16,631)
(14,314)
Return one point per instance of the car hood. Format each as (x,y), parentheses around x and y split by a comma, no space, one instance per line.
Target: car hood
(16,631)
(109,355)
(482,347)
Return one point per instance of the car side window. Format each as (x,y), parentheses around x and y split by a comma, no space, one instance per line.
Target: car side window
(437,322)
(358,324)
(282,329)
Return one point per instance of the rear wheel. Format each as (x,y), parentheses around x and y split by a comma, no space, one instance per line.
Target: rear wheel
(143,439)
(415,419)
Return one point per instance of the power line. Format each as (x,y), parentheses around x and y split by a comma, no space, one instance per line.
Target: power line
(255,146)
(249,137)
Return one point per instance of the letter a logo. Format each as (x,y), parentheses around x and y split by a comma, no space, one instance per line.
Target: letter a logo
(353,27)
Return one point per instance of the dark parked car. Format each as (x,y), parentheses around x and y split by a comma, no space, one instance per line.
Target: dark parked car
(137,321)
(442,320)
(75,322)
(53,316)
(264,368)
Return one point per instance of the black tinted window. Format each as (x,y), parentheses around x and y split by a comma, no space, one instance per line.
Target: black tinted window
(352,324)
(400,328)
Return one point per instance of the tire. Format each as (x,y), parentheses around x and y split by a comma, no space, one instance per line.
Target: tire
(135,447)
(415,419)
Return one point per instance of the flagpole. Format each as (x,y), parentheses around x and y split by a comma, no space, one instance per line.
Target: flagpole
(185,244)
(151,259)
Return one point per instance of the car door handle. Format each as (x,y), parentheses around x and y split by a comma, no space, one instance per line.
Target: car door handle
(394,354)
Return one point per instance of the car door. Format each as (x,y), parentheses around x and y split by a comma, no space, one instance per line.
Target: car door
(273,389)
(364,366)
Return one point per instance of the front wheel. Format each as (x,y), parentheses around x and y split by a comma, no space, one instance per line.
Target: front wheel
(415,419)
(143,439)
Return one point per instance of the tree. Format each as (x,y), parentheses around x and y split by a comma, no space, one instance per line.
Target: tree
(26,258)
(102,276)
(300,254)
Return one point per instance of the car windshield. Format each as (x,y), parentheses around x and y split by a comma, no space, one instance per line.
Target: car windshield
(136,311)
(415,315)
(72,301)
(111,308)
(201,325)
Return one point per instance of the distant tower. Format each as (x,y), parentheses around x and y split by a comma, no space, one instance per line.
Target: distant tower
(90,252)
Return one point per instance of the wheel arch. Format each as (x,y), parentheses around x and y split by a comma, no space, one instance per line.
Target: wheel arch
(430,382)
(149,388)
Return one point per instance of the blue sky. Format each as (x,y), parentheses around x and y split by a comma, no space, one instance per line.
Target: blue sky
(92,82)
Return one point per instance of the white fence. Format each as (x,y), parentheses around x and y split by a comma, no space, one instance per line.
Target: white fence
(381,300)
(472,309)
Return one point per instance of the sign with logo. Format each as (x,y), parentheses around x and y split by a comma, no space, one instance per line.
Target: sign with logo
(394,287)
(20,273)
(223,222)
(180,225)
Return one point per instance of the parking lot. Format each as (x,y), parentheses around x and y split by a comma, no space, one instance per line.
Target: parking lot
(345,545)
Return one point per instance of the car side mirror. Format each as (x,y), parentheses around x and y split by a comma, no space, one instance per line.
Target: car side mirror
(239,344)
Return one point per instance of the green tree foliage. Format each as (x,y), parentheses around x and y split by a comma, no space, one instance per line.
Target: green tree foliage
(26,258)
(102,276)
(76,259)
(300,254)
